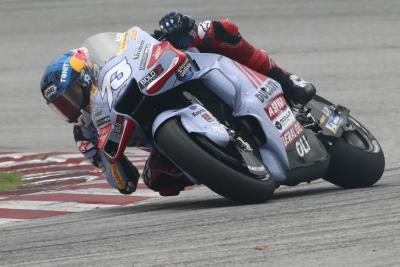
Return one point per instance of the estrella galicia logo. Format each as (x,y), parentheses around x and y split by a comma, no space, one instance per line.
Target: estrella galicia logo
(184,72)
(151,76)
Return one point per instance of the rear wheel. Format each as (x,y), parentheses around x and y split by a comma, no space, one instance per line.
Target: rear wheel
(204,165)
(357,159)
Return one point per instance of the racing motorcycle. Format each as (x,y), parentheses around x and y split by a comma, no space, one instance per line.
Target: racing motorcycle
(223,124)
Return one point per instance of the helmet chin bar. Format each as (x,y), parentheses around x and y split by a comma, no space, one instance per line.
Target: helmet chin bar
(65,109)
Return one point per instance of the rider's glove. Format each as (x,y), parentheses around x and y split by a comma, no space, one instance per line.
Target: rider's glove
(88,147)
(132,175)
(179,29)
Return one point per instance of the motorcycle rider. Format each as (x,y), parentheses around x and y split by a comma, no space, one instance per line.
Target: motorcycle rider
(68,81)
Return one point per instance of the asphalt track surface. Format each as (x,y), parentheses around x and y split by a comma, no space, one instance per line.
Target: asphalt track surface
(349,49)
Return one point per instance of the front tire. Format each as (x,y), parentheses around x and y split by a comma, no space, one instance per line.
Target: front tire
(179,147)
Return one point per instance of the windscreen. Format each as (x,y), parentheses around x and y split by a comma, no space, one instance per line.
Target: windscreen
(102,47)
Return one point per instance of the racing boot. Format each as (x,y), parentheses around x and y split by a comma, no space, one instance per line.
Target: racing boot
(295,88)
(162,176)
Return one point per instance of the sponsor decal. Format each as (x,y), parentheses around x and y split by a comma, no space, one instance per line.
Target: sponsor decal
(196,113)
(117,176)
(144,57)
(151,76)
(285,119)
(85,146)
(85,79)
(256,169)
(207,117)
(104,132)
(266,91)
(139,49)
(326,111)
(157,52)
(292,134)
(298,81)
(118,125)
(203,28)
(334,122)
(276,107)
(218,128)
(64,73)
(97,112)
(123,43)
(205,25)
(49,91)
(134,34)
(322,119)
(118,37)
(102,121)
(184,73)
(302,146)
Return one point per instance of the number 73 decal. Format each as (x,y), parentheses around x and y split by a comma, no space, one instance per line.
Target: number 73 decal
(114,79)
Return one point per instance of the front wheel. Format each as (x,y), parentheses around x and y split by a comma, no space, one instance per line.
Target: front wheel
(192,158)
(357,159)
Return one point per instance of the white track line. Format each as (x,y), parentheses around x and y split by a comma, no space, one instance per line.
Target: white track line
(49,174)
(101,191)
(17,155)
(64,157)
(5,221)
(13,163)
(86,177)
(51,205)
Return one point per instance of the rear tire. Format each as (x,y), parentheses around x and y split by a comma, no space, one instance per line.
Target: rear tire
(178,146)
(357,160)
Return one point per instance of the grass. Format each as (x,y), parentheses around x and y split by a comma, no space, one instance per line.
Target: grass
(9,181)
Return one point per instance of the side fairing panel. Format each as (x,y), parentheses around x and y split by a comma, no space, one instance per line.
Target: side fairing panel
(250,94)
(196,119)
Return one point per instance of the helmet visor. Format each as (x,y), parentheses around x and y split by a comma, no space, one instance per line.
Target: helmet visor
(69,103)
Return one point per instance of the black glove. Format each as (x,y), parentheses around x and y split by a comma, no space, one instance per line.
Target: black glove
(176,24)
(178,28)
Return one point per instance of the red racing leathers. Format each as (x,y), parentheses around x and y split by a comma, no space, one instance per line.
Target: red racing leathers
(223,37)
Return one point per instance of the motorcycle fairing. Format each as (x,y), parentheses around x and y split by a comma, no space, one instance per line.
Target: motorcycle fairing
(248,95)
(288,147)
(130,64)
(245,91)
(196,119)
(308,159)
